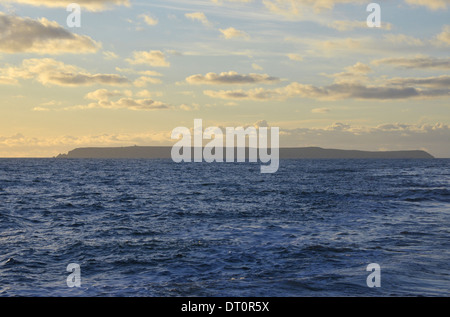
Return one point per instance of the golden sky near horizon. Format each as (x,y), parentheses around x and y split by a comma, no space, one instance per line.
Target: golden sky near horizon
(135,70)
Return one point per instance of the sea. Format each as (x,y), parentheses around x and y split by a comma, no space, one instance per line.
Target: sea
(155,228)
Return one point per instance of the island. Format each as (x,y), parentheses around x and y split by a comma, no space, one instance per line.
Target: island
(164,152)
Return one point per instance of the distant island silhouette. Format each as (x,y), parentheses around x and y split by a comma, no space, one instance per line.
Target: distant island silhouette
(164,152)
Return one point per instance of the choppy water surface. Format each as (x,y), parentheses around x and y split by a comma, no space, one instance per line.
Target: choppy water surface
(156,228)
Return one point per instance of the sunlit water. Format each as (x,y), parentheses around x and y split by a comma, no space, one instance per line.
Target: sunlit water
(156,228)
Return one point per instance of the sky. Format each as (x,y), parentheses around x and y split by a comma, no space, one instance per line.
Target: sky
(135,70)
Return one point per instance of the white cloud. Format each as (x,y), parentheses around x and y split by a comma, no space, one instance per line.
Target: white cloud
(91,5)
(321,110)
(25,35)
(397,88)
(404,39)
(48,71)
(353,74)
(139,72)
(108,55)
(193,107)
(431,4)
(295,57)
(230,78)
(436,82)
(418,62)
(443,38)
(365,45)
(257,67)
(103,94)
(293,8)
(259,94)
(120,99)
(152,58)
(6,80)
(346,25)
(123,103)
(41,109)
(144,94)
(198,16)
(231,33)
(149,20)
(144,80)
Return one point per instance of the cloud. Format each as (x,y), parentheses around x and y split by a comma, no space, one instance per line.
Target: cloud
(259,94)
(396,89)
(353,91)
(144,94)
(385,44)
(443,38)
(321,110)
(230,78)
(103,94)
(386,136)
(91,5)
(198,16)
(293,8)
(358,68)
(257,67)
(108,55)
(51,103)
(353,74)
(333,46)
(120,99)
(361,92)
(151,58)
(5,80)
(144,80)
(48,71)
(418,62)
(432,82)
(346,25)
(19,145)
(220,2)
(193,107)
(139,72)
(131,104)
(149,20)
(295,57)
(25,35)
(431,4)
(231,33)
(41,109)
(353,83)
(124,103)
(404,39)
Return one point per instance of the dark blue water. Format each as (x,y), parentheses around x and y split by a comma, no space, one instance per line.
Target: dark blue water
(156,228)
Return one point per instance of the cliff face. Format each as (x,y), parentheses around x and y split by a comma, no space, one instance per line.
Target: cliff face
(154,152)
